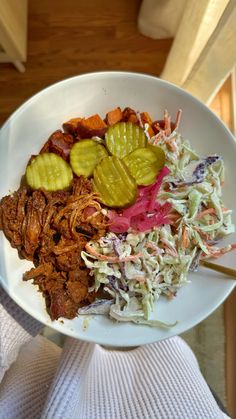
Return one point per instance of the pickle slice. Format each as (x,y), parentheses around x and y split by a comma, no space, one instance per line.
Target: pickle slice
(85,155)
(123,138)
(143,165)
(49,171)
(114,183)
(160,155)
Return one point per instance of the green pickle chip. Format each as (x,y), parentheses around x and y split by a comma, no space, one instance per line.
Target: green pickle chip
(123,138)
(85,155)
(159,153)
(48,171)
(113,181)
(143,165)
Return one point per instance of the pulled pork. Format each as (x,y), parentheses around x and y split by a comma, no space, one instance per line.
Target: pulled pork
(51,229)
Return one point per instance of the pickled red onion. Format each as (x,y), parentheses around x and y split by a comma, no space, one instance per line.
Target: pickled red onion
(146,213)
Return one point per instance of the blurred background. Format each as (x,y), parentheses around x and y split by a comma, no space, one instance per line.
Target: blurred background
(191,44)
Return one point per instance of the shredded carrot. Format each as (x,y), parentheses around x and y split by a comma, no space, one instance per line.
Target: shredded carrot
(156,250)
(205,212)
(150,245)
(174,217)
(185,241)
(215,253)
(167,123)
(150,132)
(112,259)
(174,214)
(158,137)
(171,144)
(178,118)
(169,249)
(202,233)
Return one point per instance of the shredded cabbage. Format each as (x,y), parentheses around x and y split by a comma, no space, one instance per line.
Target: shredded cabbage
(166,253)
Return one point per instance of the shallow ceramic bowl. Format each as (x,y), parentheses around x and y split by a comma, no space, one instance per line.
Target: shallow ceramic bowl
(25,132)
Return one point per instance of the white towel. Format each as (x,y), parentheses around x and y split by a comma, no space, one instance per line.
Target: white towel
(86,381)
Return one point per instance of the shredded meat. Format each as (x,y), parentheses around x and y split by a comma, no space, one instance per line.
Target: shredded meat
(51,229)
(12,215)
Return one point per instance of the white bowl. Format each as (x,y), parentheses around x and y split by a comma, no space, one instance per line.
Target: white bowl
(28,128)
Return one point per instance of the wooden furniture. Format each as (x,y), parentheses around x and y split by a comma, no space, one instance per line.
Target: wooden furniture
(13,32)
(224,105)
(203,52)
(230,334)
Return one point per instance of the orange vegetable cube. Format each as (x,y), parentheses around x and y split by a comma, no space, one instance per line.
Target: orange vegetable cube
(145,117)
(71,125)
(114,116)
(92,126)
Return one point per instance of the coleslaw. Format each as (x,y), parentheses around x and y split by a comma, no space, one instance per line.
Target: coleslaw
(136,267)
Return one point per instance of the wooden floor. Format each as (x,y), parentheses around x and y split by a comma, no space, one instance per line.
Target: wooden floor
(71,37)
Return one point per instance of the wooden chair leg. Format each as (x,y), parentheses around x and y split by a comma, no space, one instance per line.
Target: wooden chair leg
(19,66)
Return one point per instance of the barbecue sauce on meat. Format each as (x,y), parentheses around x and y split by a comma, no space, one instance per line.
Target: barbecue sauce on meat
(38,225)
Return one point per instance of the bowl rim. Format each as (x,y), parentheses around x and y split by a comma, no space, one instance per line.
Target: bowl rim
(101,73)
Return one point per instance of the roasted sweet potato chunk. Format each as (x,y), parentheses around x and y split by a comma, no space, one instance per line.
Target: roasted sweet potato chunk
(129,115)
(151,132)
(113,116)
(71,125)
(92,126)
(59,143)
(145,117)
